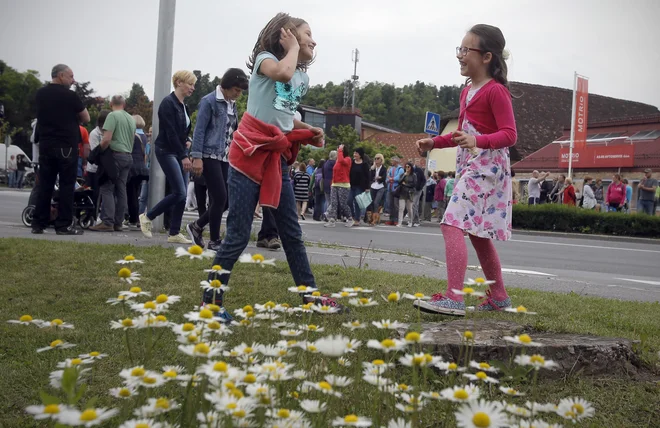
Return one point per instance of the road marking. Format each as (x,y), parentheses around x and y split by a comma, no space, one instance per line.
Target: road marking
(526,272)
(646,290)
(639,281)
(597,247)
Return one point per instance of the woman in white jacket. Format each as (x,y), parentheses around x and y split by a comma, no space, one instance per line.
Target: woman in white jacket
(589,199)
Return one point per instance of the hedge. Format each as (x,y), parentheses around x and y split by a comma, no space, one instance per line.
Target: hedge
(561,218)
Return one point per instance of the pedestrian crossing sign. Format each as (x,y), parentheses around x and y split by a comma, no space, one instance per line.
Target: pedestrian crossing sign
(432,123)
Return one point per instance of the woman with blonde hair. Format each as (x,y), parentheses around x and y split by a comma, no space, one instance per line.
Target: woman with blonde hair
(171,149)
(377,176)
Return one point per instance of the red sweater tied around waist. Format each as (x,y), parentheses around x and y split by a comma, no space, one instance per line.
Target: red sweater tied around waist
(256,150)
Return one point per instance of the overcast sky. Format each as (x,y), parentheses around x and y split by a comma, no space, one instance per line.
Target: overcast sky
(113,43)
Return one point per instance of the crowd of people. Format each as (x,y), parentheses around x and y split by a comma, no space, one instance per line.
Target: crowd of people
(16,167)
(616,197)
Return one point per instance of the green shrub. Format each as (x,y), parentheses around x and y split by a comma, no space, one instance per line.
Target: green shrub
(561,218)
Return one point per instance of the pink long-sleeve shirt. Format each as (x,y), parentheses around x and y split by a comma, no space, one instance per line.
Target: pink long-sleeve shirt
(491,113)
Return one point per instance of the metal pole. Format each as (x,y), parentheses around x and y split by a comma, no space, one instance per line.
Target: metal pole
(570,150)
(162,85)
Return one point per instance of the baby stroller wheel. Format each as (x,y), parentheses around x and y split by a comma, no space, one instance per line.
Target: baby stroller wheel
(87,221)
(28,215)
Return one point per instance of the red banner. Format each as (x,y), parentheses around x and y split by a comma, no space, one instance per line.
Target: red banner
(580,113)
(621,155)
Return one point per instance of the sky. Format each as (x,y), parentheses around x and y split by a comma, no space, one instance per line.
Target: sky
(113,43)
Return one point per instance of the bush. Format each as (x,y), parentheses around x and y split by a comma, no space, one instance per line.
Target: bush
(561,218)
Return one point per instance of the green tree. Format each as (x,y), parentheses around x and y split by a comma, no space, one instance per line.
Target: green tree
(17,94)
(138,103)
(84,92)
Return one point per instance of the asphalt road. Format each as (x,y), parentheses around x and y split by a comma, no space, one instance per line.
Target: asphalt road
(606,267)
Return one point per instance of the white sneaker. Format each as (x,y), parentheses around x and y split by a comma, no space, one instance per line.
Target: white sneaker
(178,239)
(415,224)
(330,223)
(145,225)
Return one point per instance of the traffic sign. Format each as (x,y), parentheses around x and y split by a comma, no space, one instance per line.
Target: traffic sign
(432,123)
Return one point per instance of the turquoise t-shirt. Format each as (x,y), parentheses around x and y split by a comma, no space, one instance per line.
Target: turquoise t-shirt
(275,102)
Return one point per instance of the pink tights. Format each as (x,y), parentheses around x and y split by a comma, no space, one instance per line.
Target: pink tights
(457,259)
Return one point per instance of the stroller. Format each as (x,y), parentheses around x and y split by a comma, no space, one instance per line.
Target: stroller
(84,208)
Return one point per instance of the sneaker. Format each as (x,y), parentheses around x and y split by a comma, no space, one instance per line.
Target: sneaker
(410,225)
(37,230)
(324,301)
(302,217)
(390,223)
(70,231)
(441,306)
(350,223)
(324,217)
(274,244)
(178,239)
(330,223)
(263,243)
(103,227)
(214,245)
(119,228)
(145,226)
(494,305)
(415,224)
(398,225)
(195,233)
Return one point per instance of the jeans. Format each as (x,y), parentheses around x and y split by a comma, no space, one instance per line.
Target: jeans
(113,194)
(176,200)
(356,212)
(376,200)
(11,178)
(19,179)
(426,212)
(319,204)
(243,199)
(645,206)
(54,161)
(533,201)
(216,183)
(133,188)
(144,196)
(268,229)
(417,196)
(393,204)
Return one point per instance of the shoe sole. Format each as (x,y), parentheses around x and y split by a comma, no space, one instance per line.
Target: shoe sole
(191,236)
(145,232)
(430,309)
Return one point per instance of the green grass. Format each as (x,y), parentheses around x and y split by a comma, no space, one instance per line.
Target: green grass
(72,281)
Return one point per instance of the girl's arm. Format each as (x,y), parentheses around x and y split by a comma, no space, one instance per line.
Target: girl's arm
(499,98)
(283,70)
(443,141)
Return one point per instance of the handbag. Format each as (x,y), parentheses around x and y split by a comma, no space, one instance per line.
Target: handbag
(363,200)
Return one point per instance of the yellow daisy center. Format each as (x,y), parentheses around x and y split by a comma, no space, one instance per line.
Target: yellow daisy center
(481,420)
(312,327)
(378,362)
(239,414)
(351,419)
(468,335)
(269,305)
(325,385)
(286,305)
(393,297)
(188,327)
(316,294)
(402,387)
(468,290)
(214,325)
(524,338)
(52,409)
(124,392)
(418,360)
(94,354)
(302,287)
(388,343)
(413,336)
(205,314)
(484,366)
(355,323)
(230,385)
(170,374)
(88,415)
(479,280)
(163,403)
(570,414)
(76,362)
(195,250)
(127,322)
(142,426)
(428,358)
(245,322)
(220,366)
(521,309)
(283,413)
(364,301)
(419,295)
(579,409)
(258,258)
(311,348)
(452,366)
(150,305)
(248,308)
(512,391)
(461,394)
(250,378)
(481,375)
(56,321)
(129,258)
(134,289)
(202,348)
(137,372)
(248,350)
(216,267)
(162,298)
(149,380)
(344,294)
(216,283)
(307,306)
(161,318)
(25,318)
(124,273)
(55,343)
(357,288)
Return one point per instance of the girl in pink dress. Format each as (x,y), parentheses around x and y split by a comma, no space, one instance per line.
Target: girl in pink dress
(480,204)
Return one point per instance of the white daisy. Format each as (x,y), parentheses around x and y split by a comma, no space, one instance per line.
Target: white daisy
(56,344)
(419,360)
(339,381)
(172,372)
(86,418)
(302,289)
(212,285)
(523,339)
(416,296)
(481,414)
(123,392)
(459,394)
(343,294)
(73,362)
(55,377)
(537,423)
(313,406)
(356,290)
(398,423)
(26,320)
(201,350)
(148,307)
(291,333)
(151,379)
(536,361)
(388,325)
(128,260)
(194,252)
(185,329)
(155,407)
(393,297)
(343,362)
(575,409)
(469,291)
(217,269)
(56,323)
(325,309)
(351,421)
(512,392)
(332,346)
(311,327)
(144,423)
(257,258)
(354,325)
(541,408)
(278,325)
(387,345)
(376,380)
(376,367)
(204,315)
(481,376)
(40,412)
(483,366)
(352,345)
(125,324)
(94,355)
(412,404)
(151,320)
(134,292)
(478,281)
(449,367)
(364,301)
(517,410)
(414,337)
(275,351)
(117,300)
(163,300)
(323,386)
(270,307)
(242,349)
(520,310)
(126,275)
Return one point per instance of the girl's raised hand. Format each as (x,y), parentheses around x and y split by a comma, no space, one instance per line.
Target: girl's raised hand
(288,40)
(424,145)
(465,141)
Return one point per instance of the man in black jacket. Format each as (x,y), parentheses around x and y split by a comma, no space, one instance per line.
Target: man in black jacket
(419,189)
(59,113)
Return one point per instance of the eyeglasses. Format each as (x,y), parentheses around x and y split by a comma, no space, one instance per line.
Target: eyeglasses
(463,50)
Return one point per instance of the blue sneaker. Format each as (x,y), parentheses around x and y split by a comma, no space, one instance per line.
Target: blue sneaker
(493,305)
(441,305)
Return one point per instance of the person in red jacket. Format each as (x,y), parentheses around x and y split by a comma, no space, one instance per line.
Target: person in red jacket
(341,187)
(569,193)
(616,194)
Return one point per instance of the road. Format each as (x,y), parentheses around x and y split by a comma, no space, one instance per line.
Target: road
(619,269)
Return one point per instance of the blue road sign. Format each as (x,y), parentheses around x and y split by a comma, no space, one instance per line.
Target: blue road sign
(432,123)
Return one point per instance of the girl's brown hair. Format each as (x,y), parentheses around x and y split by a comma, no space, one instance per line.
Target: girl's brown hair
(269,39)
(492,40)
